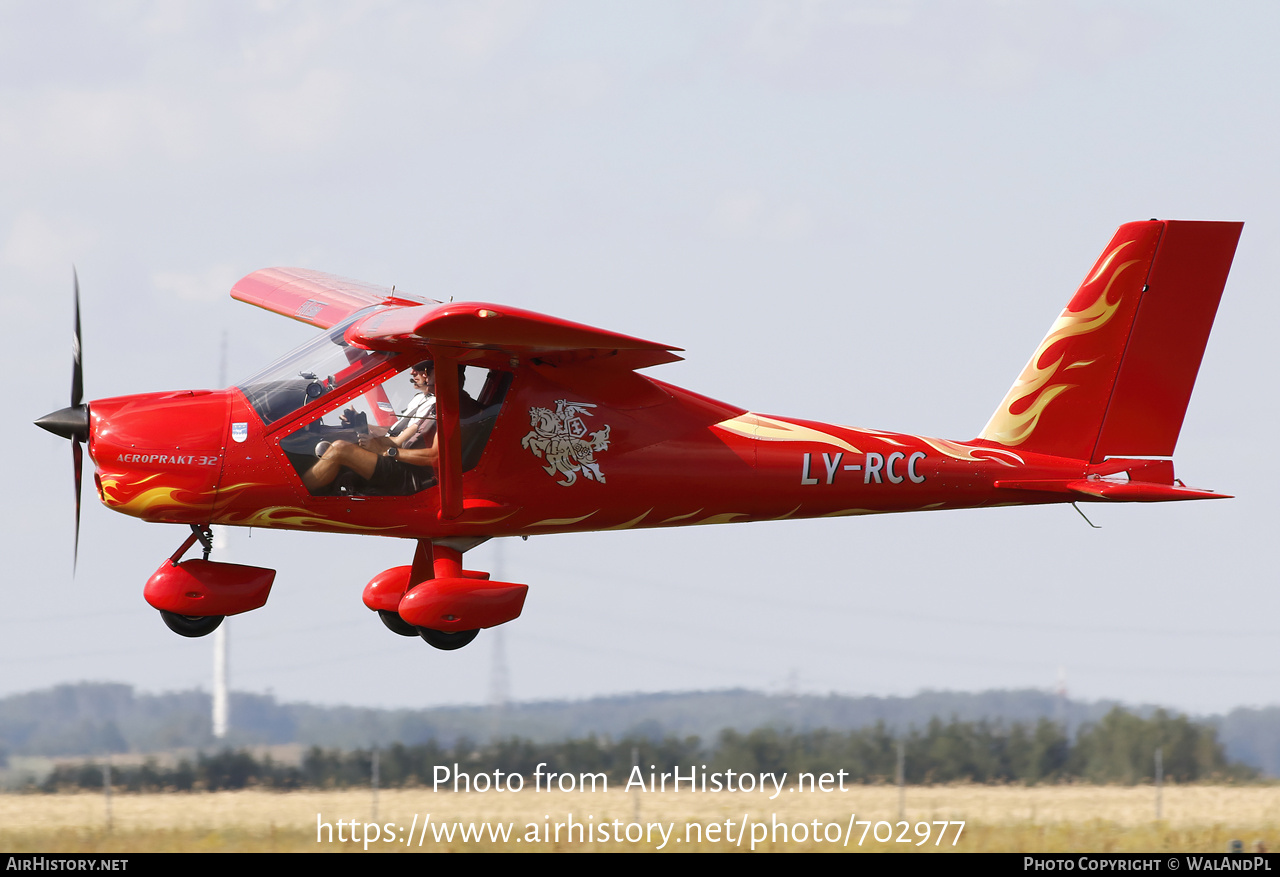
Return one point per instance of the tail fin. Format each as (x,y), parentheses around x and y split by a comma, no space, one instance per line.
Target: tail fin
(1115,373)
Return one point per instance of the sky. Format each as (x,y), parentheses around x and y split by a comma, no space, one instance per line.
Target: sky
(866,213)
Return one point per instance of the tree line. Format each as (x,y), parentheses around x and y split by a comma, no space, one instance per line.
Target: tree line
(1120,748)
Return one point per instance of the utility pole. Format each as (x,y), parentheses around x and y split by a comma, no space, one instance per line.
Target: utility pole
(902,779)
(221,647)
(1159,780)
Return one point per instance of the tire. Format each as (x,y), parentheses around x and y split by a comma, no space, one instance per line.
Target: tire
(191,625)
(396,624)
(447,641)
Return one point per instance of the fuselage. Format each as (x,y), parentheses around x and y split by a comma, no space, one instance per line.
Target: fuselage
(572,449)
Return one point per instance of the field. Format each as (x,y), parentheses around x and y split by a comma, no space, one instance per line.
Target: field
(1075,818)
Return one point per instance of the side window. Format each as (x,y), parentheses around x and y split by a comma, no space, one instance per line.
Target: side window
(344,451)
(486,389)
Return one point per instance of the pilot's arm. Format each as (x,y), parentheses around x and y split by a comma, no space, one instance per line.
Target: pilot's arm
(379,443)
(429,456)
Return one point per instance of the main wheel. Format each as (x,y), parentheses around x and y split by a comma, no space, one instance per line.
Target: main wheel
(396,624)
(447,641)
(191,625)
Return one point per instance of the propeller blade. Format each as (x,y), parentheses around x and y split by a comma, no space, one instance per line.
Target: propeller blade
(77,459)
(77,364)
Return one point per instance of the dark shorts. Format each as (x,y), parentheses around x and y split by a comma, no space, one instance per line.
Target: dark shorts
(394,478)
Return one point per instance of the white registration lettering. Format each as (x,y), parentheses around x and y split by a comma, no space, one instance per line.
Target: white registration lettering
(874,463)
(916,477)
(831,465)
(875,467)
(888,466)
(804,474)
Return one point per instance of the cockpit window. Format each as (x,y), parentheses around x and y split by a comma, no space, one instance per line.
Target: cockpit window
(309,372)
(353,436)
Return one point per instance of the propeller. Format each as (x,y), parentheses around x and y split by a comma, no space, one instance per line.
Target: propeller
(73,422)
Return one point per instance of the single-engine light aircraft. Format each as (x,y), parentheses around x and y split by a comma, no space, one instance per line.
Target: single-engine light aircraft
(453,423)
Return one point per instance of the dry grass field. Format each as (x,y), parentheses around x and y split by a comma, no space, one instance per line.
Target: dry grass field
(997,819)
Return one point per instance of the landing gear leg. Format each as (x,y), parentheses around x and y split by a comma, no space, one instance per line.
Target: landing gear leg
(446,563)
(193,625)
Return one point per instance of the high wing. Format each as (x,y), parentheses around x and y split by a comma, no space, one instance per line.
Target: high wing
(322,300)
(410,325)
(480,326)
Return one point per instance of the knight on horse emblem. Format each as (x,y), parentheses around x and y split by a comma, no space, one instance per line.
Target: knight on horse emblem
(558,437)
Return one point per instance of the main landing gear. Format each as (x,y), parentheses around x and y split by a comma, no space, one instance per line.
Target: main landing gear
(440,602)
(439,638)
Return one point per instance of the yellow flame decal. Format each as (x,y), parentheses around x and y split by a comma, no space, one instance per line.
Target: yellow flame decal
(151,500)
(957,451)
(629,524)
(1102,266)
(1011,429)
(767,429)
(682,517)
(888,438)
(292,516)
(722,518)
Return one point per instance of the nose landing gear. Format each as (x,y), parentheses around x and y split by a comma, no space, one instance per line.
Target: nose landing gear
(193,596)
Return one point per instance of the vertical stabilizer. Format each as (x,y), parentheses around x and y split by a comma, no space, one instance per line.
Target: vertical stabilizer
(1115,373)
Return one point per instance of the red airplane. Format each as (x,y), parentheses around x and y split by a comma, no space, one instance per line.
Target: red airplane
(451,424)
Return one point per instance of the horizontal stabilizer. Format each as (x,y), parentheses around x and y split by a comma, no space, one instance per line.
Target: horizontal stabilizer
(1118,491)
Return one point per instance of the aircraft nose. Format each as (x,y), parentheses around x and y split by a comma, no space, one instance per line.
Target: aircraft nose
(70,423)
(159,455)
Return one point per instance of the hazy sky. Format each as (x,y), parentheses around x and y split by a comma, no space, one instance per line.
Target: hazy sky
(861,212)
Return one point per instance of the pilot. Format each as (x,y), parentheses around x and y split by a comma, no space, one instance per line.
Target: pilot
(420,413)
(400,462)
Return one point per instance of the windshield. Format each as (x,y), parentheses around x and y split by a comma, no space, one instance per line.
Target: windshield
(312,370)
